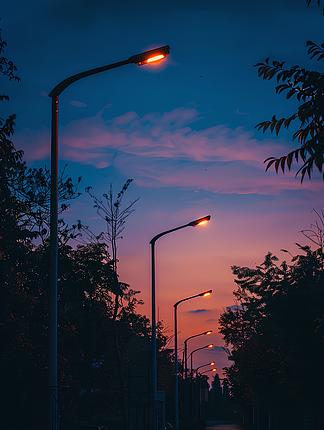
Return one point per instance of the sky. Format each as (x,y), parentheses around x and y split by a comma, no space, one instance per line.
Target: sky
(183,130)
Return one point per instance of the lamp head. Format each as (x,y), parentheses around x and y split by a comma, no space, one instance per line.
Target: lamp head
(200,221)
(212,363)
(210,346)
(208,332)
(150,56)
(214,370)
(206,293)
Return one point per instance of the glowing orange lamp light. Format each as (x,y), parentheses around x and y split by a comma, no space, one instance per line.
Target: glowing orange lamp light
(151,56)
(205,294)
(200,221)
(156,58)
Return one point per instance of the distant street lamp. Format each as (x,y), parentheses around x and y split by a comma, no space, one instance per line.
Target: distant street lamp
(195,350)
(204,294)
(185,365)
(139,59)
(195,223)
(204,365)
(186,347)
(210,370)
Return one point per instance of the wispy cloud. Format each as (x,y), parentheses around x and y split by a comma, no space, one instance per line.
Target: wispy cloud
(198,311)
(163,149)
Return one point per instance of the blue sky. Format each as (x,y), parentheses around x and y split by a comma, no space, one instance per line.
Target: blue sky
(184,131)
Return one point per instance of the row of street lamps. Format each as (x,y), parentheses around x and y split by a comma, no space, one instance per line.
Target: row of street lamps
(198,222)
(204,294)
(146,57)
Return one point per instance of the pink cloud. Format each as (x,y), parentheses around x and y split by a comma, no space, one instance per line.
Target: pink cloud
(162,149)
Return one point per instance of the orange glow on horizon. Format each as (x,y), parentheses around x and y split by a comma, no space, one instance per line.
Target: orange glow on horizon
(155,58)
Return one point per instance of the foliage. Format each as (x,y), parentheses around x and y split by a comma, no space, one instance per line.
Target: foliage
(316,231)
(111,212)
(272,330)
(87,361)
(29,189)
(308,87)
(308,2)
(90,313)
(7,67)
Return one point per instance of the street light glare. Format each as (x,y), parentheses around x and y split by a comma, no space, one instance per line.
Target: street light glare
(200,221)
(210,346)
(205,293)
(212,363)
(205,221)
(155,58)
(214,370)
(150,56)
(209,332)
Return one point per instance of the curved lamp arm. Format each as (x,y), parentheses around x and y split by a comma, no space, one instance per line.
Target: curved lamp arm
(138,59)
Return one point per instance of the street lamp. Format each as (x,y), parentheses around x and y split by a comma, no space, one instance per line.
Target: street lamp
(139,59)
(195,223)
(195,350)
(186,347)
(185,363)
(204,294)
(204,365)
(210,370)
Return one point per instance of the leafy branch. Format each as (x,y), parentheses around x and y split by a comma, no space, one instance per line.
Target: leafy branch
(308,87)
(7,67)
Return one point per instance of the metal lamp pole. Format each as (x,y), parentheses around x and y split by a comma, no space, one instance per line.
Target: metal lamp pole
(195,223)
(185,366)
(139,59)
(191,354)
(204,294)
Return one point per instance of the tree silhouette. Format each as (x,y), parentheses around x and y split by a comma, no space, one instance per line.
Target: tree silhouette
(7,67)
(272,330)
(308,87)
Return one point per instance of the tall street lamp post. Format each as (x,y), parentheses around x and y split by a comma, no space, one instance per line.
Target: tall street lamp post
(204,294)
(195,223)
(139,59)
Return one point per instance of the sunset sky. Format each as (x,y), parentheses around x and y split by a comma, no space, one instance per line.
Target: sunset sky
(183,130)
